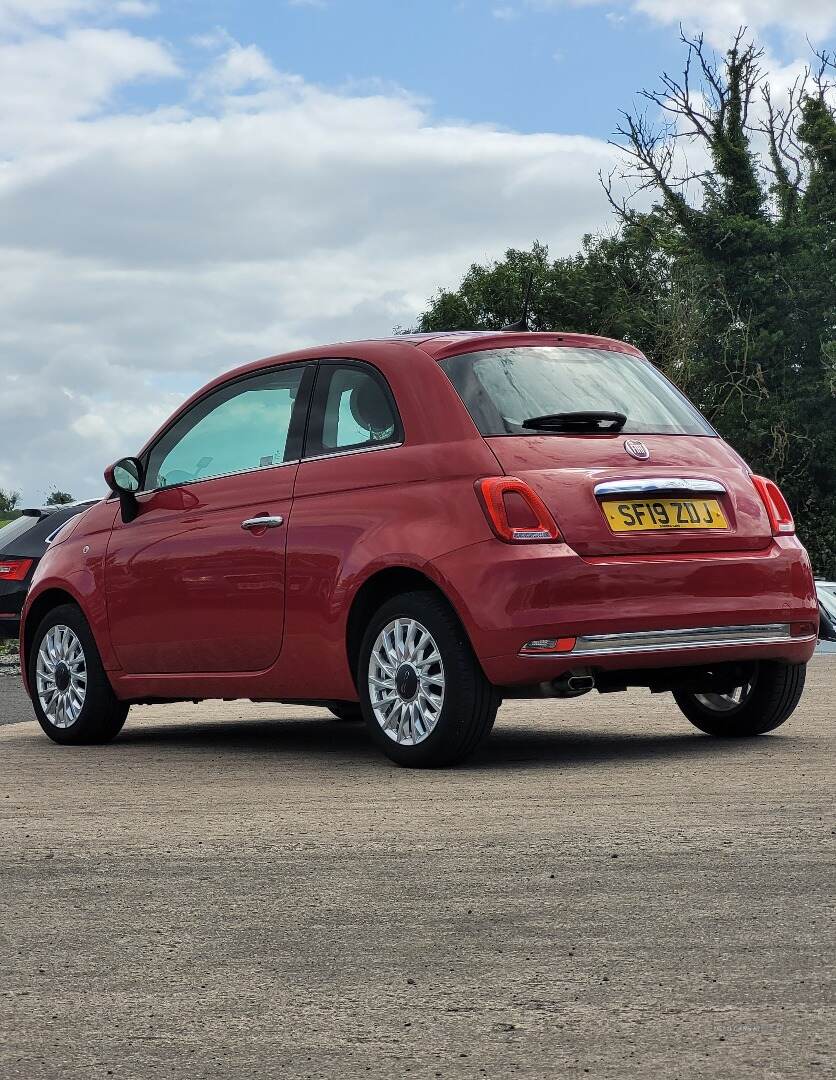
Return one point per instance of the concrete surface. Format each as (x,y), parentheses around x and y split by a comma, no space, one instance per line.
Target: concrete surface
(15,707)
(602,892)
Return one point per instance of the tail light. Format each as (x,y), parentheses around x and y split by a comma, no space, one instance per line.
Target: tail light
(14,569)
(515,512)
(780,515)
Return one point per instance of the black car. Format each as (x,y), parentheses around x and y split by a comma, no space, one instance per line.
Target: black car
(23,542)
(827,610)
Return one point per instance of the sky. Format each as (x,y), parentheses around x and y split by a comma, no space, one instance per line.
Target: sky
(186,185)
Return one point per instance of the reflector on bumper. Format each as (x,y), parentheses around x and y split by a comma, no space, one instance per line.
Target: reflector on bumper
(701,637)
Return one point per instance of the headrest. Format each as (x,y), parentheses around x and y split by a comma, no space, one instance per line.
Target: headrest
(369,407)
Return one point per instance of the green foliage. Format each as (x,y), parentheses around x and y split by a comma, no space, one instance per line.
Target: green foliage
(58,498)
(8,502)
(731,291)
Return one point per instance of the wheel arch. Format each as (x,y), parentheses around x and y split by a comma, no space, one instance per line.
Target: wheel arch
(42,604)
(379,587)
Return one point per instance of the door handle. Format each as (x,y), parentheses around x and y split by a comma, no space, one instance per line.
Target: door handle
(265,522)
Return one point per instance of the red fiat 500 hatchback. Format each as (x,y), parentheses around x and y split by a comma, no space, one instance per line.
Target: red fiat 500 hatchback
(411,530)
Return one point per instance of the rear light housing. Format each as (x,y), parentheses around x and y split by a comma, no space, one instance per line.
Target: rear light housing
(14,569)
(515,512)
(780,515)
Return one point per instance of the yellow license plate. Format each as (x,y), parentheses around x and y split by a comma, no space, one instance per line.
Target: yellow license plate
(641,515)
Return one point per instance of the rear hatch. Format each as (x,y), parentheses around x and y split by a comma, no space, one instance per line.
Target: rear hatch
(566,470)
(662,483)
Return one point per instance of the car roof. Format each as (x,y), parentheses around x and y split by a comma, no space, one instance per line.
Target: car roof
(437,346)
(449,343)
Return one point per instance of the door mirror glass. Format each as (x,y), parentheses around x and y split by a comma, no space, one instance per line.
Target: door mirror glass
(124,476)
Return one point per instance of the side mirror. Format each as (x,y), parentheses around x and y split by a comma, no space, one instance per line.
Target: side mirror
(827,629)
(124,478)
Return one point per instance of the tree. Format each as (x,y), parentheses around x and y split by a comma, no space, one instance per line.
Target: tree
(8,501)
(58,498)
(729,282)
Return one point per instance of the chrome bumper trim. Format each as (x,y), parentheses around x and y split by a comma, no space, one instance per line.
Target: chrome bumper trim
(702,637)
(657,485)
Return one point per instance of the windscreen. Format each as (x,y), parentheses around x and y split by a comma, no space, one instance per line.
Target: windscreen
(502,388)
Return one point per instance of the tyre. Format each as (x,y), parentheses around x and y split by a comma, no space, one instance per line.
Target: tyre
(348,712)
(70,691)
(761,704)
(425,698)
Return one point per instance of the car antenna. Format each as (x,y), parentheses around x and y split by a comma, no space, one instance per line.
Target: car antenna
(521,325)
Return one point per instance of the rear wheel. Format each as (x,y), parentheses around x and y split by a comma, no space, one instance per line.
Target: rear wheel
(70,690)
(425,698)
(760,704)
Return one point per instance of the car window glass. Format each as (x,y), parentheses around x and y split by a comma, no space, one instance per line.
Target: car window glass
(238,428)
(503,387)
(16,528)
(358,411)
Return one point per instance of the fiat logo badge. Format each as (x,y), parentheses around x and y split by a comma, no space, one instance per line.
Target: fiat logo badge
(636,449)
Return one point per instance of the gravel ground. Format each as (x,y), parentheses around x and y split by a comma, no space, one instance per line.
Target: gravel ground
(602,892)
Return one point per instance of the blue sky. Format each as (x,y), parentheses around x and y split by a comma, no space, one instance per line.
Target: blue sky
(531,67)
(567,69)
(190,184)
(528,66)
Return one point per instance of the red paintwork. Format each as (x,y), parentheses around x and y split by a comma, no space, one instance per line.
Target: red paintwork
(183,603)
(565,470)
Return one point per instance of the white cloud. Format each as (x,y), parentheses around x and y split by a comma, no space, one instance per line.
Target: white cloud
(47,78)
(719,19)
(21,15)
(136,9)
(143,252)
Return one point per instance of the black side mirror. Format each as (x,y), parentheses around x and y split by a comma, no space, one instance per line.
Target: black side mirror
(124,478)
(827,629)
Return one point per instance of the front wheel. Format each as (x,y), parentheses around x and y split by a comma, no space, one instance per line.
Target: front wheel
(70,690)
(425,698)
(762,703)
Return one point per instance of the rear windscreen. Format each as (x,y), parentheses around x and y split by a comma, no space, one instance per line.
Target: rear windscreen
(16,529)
(504,387)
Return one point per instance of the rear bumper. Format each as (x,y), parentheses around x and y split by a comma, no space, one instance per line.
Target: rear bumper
(631,612)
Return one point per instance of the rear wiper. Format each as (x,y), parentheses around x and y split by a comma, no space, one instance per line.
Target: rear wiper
(595,420)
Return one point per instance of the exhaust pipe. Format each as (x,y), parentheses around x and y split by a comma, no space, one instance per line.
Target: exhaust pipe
(572,684)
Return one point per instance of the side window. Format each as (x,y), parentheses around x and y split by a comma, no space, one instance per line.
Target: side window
(243,426)
(354,410)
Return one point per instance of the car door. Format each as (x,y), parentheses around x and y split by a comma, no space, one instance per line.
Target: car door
(346,501)
(196,582)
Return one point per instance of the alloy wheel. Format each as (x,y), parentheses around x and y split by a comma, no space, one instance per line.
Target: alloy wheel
(61,676)
(406,681)
(722,703)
